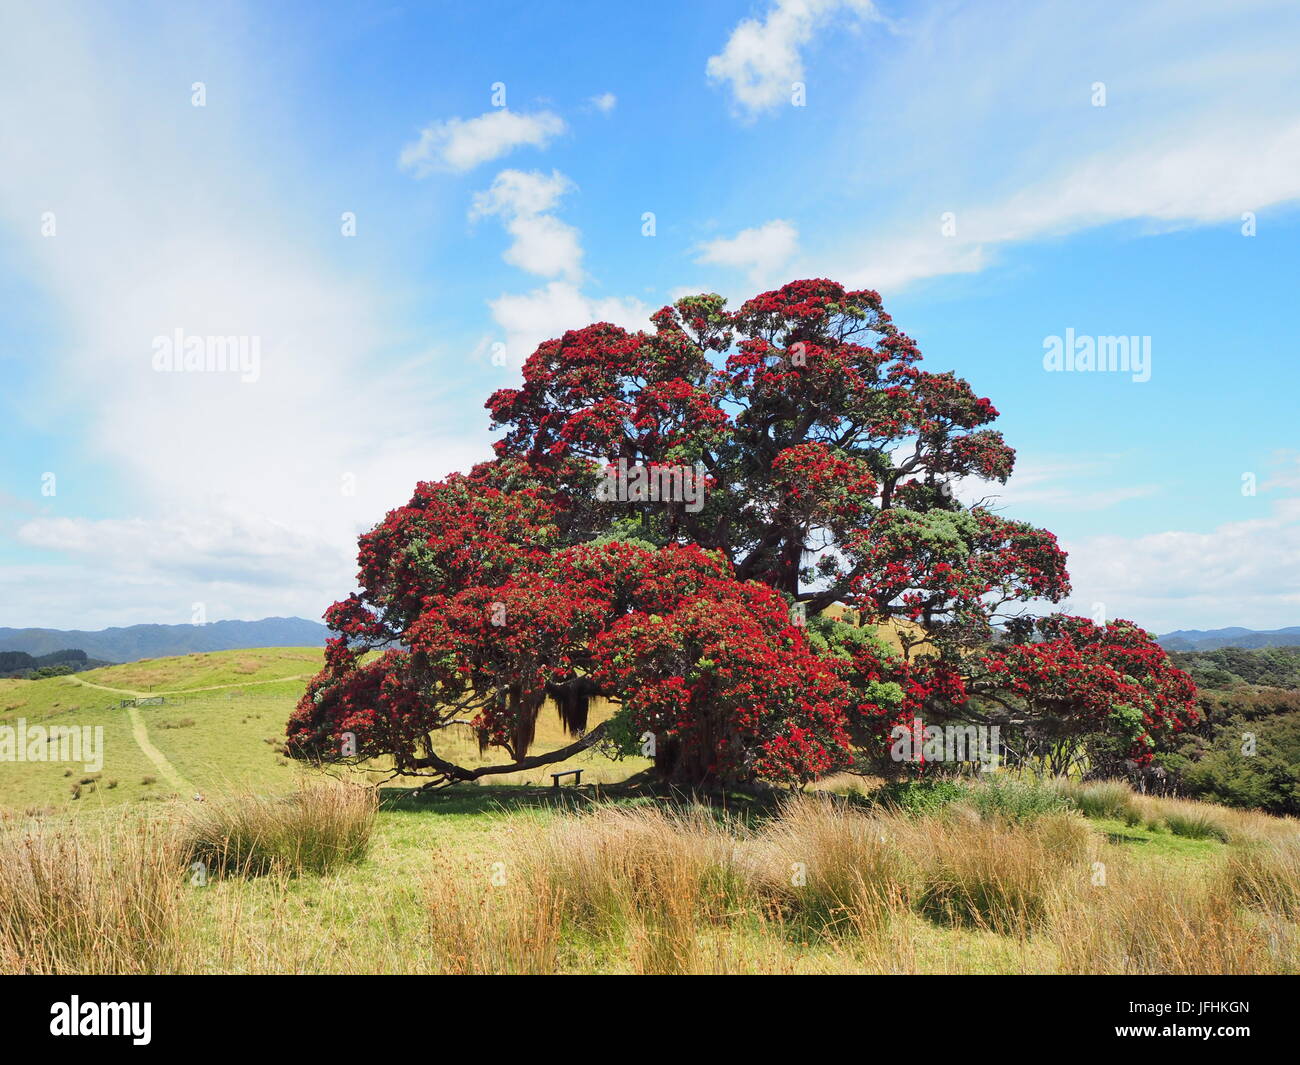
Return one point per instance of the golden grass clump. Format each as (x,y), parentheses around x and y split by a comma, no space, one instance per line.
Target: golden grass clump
(648,873)
(997,875)
(477,929)
(312,830)
(1265,875)
(1145,921)
(89,900)
(832,868)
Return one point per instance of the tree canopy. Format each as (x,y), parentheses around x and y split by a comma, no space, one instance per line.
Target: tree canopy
(831,465)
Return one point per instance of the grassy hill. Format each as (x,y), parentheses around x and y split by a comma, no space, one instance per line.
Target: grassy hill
(219,727)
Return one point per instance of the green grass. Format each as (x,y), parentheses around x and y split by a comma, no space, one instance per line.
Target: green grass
(1146,843)
(209,669)
(238,702)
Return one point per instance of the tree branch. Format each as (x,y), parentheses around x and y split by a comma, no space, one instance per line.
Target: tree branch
(461,773)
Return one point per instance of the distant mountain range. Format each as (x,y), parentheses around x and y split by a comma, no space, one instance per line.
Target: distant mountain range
(158,641)
(1213,639)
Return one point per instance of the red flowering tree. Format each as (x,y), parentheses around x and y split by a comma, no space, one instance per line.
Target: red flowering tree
(826,457)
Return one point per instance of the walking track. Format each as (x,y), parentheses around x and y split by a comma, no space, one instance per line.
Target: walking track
(141,732)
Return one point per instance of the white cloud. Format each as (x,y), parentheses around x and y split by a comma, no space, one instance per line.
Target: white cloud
(461,144)
(204,546)
(1054,483)
(515,192)
(543,245)
(964,116)
(220,491)
(760,251)
(1201,176)
(762,58)
(544,313)
(1243,572)
(604,103)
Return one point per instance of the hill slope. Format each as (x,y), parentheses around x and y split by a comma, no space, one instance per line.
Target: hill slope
(219,724)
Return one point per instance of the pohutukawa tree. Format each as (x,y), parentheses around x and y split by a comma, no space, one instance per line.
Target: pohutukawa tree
(829,459)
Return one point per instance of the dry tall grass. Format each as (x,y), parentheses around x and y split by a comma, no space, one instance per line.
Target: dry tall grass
(995,875)
(491,930)
(666,887)
(311,830)
(828,867)
(1160,922)
(647,874)
(997,882)
(1265,874)
(86,900)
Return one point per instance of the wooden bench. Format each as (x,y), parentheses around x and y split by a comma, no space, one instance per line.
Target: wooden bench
(575,773)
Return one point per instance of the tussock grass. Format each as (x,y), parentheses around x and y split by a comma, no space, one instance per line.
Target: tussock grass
(1265,874)
(993,879)
(487,930)
(1102,799)
(311,830)
(1195,824)
(1157,921)
(88,900)
(994,874)
(646,873)
(828,867)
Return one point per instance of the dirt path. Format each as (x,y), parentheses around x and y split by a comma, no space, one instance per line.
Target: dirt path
(164,767)
(187,691)
(141,731)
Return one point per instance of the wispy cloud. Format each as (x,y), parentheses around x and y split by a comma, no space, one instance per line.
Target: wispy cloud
(1196,177)
(229,488)
(529,318)
(761,251)
(461,144)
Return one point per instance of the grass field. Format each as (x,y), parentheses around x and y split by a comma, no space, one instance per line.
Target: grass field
(220,727)
(300,873)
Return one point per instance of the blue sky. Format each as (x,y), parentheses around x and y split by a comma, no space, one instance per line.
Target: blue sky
(959,163)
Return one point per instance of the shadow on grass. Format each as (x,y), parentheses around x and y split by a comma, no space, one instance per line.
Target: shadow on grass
(477,800)
(503,798)
(1126,837)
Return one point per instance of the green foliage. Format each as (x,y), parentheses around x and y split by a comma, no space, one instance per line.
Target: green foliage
(921,795)
(1233,667)
(1247,752)
(52,671)
(1009,799)
(622,736)
(1126,722)
(1103,800)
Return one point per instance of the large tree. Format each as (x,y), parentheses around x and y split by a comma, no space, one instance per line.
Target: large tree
(829,460)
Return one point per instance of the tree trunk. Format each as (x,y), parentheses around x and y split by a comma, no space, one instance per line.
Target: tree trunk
(693,765)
